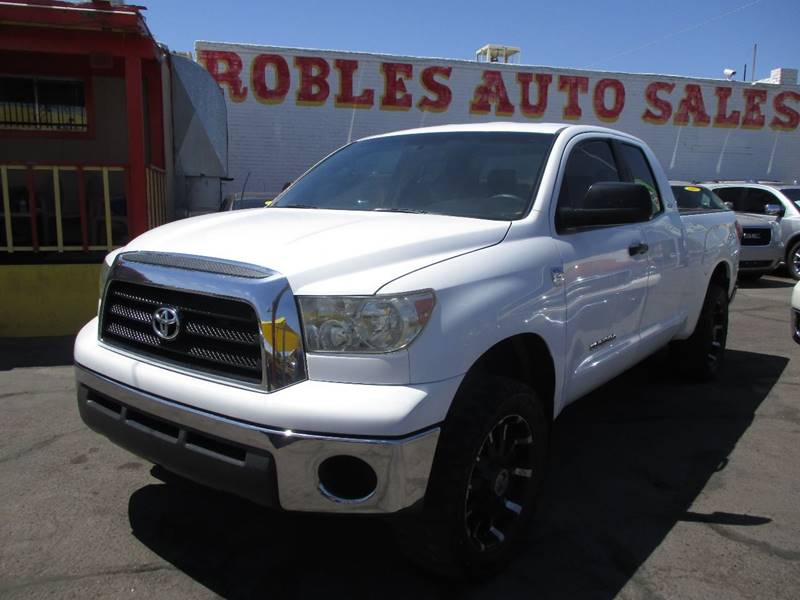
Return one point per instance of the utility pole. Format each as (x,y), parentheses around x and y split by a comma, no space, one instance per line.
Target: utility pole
(753,71)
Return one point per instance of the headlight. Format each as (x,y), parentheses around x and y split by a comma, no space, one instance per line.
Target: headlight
(368,324)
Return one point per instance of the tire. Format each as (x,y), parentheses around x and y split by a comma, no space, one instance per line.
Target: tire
(793,261)
(701,355)
(479,498)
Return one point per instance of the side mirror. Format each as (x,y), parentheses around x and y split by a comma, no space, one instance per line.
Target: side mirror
(609,203)
(729,205)
(773,210)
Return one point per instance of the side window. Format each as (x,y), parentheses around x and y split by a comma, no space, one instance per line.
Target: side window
(588,163)
(732,195)
(642,173)
(755,200)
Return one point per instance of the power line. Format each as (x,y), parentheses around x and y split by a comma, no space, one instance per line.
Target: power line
(682,31)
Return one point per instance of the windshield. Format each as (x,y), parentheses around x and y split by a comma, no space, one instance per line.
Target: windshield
(694,197)
(792,194)
(467,174)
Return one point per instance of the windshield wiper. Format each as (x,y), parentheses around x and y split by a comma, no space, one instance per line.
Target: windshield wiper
(294,206)
(415,211)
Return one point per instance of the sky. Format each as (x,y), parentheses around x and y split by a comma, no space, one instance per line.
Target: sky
(696,38)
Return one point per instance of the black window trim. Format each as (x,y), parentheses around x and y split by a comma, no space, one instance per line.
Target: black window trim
(563,171)
(617,147)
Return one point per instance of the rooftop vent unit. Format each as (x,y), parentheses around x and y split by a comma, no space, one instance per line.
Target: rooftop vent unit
(498,53)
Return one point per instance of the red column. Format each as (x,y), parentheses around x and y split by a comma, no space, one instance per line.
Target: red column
(152,71)
(137,197)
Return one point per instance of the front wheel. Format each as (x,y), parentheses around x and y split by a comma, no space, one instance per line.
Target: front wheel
(700,356)
(486,475)
(793,261)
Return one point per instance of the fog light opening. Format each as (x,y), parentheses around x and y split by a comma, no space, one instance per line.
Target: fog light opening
(346,479)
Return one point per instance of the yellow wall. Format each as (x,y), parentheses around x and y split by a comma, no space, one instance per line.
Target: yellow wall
(42,300)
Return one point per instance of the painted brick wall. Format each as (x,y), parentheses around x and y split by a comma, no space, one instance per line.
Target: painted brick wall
(288,108)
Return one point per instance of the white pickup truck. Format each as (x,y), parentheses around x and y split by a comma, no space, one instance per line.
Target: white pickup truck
(397,332)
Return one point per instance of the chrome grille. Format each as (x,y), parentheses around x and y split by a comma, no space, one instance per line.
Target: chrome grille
(219,336)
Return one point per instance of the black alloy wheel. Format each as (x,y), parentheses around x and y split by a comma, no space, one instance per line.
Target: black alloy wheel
(498,482)
(719,334)
(486,476)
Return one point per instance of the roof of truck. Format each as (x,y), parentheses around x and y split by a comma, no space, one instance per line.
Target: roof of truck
(503,126)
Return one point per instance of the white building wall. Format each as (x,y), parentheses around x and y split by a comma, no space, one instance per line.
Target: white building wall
(275,136)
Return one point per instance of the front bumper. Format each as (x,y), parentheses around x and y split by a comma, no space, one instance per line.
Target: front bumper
(273,467)
(760,259)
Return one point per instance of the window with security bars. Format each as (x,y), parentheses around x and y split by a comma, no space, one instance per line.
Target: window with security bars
(42,104)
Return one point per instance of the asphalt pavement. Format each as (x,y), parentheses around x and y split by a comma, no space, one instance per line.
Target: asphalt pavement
(657,488)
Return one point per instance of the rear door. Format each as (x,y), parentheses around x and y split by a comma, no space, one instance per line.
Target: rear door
(664,311)
(605,275)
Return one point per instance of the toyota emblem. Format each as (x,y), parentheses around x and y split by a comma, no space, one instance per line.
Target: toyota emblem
(166,323)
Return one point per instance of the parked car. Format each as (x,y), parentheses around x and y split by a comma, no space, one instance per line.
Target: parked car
(776,200)
(397,332)
(795,315)
(239,201)
(762,249)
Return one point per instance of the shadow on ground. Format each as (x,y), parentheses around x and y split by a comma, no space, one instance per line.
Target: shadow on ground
(627,462)
(771,282)
(35,352)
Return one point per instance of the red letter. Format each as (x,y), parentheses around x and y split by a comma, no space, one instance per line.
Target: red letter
(491,91)
(258,78)
(394,84)
(346,98)
(230,77)
(542,84)
(573,84)
(753,117)
(608,115)
(792,116)
(651,94)
(443,93)
(721,119)
(313,89)
(692,104)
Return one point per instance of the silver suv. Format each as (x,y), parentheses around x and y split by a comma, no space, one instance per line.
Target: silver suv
(762,250)
(774,199)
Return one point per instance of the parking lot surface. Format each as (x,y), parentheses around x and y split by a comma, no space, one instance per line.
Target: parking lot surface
(657,488)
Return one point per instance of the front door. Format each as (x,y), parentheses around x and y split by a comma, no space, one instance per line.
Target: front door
(605,271)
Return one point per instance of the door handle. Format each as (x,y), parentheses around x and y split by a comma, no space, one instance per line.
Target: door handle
(640,248)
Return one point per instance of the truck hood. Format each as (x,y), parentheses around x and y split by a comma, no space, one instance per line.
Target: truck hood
(326,251)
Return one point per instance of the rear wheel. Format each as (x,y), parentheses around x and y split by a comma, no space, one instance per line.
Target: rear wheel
(700,356)
(486,476)
(793,261)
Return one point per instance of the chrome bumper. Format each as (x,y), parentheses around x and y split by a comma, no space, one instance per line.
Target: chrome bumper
(172,435)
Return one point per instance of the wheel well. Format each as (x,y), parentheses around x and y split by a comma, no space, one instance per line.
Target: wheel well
(722,276)
(525,358)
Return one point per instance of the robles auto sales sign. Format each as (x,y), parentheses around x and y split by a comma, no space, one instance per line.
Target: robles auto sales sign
(287,108)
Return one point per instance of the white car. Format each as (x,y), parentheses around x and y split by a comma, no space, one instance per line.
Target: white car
(397,332)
